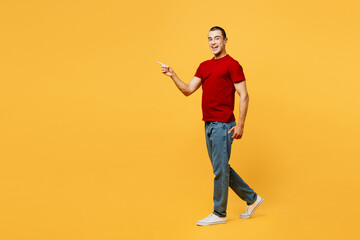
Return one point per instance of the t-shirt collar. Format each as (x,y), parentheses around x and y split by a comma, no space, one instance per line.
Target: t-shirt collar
(220,58)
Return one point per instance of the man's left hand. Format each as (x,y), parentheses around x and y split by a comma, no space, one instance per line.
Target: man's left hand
(238,132)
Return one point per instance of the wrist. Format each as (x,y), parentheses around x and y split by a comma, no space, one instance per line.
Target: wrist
(240,125)
(173,75)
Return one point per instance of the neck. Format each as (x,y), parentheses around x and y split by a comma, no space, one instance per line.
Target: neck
(220,55)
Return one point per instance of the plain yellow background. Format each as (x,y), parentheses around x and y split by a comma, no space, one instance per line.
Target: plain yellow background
(96,143)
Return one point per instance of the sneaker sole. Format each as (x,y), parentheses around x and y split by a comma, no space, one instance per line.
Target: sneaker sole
(245,217)
(206,224)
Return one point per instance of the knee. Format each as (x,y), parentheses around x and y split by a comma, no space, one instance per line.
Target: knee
(222,171)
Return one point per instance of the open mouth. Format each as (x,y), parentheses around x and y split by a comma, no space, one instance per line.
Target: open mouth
(214,48)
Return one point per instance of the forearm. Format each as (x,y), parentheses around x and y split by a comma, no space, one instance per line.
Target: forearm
(183,87)
(243,106)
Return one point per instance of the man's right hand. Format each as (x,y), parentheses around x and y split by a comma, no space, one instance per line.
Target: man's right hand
(167,70)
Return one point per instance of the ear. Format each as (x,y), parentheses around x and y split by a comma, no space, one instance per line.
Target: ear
(225,40)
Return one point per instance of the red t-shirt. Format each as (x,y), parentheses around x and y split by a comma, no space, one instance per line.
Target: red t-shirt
(217,78)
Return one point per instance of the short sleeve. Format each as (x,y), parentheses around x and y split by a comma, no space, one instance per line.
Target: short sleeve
(236,72)
(198,72)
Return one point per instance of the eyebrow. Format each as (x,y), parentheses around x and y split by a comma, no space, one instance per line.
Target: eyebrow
(214,37)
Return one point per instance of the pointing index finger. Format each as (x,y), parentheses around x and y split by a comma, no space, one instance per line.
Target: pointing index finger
(162,64)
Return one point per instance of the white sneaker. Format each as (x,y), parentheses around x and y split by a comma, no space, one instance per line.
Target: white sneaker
(211,219)
(250,209)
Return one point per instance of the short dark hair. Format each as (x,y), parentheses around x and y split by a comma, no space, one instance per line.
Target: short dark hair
(219,28)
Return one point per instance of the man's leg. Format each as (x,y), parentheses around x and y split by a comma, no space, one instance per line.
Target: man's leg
(218,143)
(217,216)
(241,188)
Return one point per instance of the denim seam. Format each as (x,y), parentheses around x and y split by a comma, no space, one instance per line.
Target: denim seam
(224,158)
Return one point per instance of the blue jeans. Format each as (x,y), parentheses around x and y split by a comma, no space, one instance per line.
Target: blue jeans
(218,142)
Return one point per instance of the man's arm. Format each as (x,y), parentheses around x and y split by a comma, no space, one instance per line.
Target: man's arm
(243,106)
(186,89)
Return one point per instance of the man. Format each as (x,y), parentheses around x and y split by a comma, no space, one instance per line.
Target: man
(220,77)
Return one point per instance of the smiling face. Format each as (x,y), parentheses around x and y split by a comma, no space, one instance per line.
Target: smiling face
(217,42)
